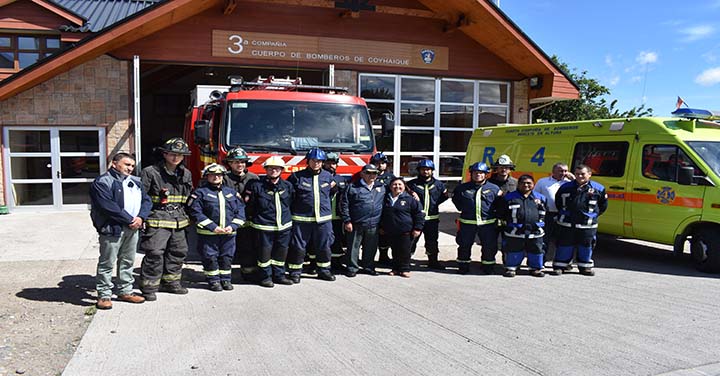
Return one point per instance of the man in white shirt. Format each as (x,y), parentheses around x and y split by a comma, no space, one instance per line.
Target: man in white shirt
(548,186)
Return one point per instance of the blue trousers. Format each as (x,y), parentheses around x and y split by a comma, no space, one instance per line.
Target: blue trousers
(571,240)
(516,249)
(217,253)
(310,235)
(488,235)
(272,253)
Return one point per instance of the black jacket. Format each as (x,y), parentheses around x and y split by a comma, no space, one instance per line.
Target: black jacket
(402,217)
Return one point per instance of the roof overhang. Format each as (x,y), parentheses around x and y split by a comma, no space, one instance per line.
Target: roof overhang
(481,21)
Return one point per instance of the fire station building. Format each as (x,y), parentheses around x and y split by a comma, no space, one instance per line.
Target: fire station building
(83,79)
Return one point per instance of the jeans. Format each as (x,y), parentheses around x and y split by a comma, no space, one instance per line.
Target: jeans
(367,237)
(121,251)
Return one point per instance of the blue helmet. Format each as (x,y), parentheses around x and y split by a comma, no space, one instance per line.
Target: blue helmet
(316,153)
(426,163)
(379,157)
(480,166)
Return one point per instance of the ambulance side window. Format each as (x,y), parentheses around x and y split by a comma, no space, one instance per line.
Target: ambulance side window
(661,162)
(604,158)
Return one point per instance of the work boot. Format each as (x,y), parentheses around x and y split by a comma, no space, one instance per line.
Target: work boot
(537,273)
(587,271)
(509,273)
(557,271)
(295,278)
(149,296)
(337,267)
(267,283)
(215,286)
(131,298)
(325,275)
(282,281)
(464,268)
(226,285)
(104,303)
(488,269)
(310,268)
(174,288)
(434,264)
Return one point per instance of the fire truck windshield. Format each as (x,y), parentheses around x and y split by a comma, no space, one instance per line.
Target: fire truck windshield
(291,126)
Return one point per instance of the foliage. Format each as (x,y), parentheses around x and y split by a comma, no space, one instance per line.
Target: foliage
(590,105)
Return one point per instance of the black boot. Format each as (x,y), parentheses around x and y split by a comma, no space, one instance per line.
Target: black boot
(173,288)
(433,263)
(326,275)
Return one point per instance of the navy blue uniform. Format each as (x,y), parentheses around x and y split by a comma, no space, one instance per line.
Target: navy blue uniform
(399,219)
(578,210)
(312,219)
(269,205)
(245,249)
(523,228)
(476,203)
(214,207)
(363,208)
(432,193)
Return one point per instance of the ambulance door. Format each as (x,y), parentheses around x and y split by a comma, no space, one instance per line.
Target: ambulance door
(609,159)
(659,204)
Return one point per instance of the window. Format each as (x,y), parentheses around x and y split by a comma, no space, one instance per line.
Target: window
(662,162)
(21,51)
(603,158)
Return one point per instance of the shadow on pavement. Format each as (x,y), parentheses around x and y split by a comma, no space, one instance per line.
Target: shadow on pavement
(73,289)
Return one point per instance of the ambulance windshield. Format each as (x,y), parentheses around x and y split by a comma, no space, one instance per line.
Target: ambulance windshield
(709,152)
(291,126)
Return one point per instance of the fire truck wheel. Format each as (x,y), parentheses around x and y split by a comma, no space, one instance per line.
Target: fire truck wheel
(705,249)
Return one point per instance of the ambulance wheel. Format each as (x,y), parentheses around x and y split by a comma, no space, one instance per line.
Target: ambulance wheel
(705,250)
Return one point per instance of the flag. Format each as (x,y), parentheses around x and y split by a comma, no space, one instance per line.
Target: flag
(679,103)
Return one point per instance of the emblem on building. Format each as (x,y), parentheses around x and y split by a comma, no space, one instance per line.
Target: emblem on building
(665,195)
(428,55)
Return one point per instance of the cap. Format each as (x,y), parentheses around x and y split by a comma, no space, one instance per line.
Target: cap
(370,168)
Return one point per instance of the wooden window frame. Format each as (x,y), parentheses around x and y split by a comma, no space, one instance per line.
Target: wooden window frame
(14,48)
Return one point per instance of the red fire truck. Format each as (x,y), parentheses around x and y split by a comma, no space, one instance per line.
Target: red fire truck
(278,117)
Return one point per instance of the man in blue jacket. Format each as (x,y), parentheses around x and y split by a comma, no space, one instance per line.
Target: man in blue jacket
(361,209)
(580,203)
(119,206)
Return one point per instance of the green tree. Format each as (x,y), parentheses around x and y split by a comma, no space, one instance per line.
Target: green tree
(591,104)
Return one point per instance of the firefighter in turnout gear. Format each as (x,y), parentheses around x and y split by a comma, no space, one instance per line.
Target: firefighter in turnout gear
(501,174)
(219,211)
(580,203)
(432,193)
(380,160)
(269,201)
(523,214)
(238,178)
(169,184)
(338,246)
(312,216)
(476,202)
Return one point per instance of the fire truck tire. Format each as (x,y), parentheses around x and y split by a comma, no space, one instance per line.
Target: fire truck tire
(705,250)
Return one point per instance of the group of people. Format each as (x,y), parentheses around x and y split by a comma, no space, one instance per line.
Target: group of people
(317,221)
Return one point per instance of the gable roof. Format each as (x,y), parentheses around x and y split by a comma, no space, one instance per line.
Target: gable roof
(67,14)
(502,37)
(102,13)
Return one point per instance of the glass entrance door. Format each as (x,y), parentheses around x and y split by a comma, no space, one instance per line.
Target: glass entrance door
(52,167)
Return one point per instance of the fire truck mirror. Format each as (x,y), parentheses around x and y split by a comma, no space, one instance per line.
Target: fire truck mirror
(202,132)
(685,175)
(388,123)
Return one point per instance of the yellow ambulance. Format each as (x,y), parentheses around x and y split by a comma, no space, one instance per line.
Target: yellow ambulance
(662,175)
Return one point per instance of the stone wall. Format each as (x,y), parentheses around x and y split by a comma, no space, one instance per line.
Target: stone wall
(520,103)
(94,94)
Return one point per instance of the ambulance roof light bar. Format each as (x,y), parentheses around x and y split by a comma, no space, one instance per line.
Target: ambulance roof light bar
(696,114)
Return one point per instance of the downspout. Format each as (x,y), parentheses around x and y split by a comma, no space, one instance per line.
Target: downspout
(530,114)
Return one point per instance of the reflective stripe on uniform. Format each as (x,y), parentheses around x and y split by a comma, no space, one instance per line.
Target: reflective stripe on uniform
(316,197)
(323,264)
(487,262)
(205,222)
(317,219)
(471,222)
(263,264)
(225,272)
(212,272)
(462,261)
(431,217)
(221,204)
(164,223)
(171,277)
(294,266)
(238,222)
(586,264)
(271,228)
(278,211)
(277,262)
(202,231)
(170,199)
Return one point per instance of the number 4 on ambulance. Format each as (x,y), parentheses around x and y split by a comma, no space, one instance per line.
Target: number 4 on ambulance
(662,175)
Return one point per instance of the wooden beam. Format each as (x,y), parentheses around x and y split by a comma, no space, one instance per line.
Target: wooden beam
(229,7)
(74,18)
(378,9)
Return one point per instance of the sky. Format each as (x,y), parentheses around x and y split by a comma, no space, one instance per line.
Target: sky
(645,51)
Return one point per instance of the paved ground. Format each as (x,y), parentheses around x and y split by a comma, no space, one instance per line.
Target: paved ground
(644,313)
